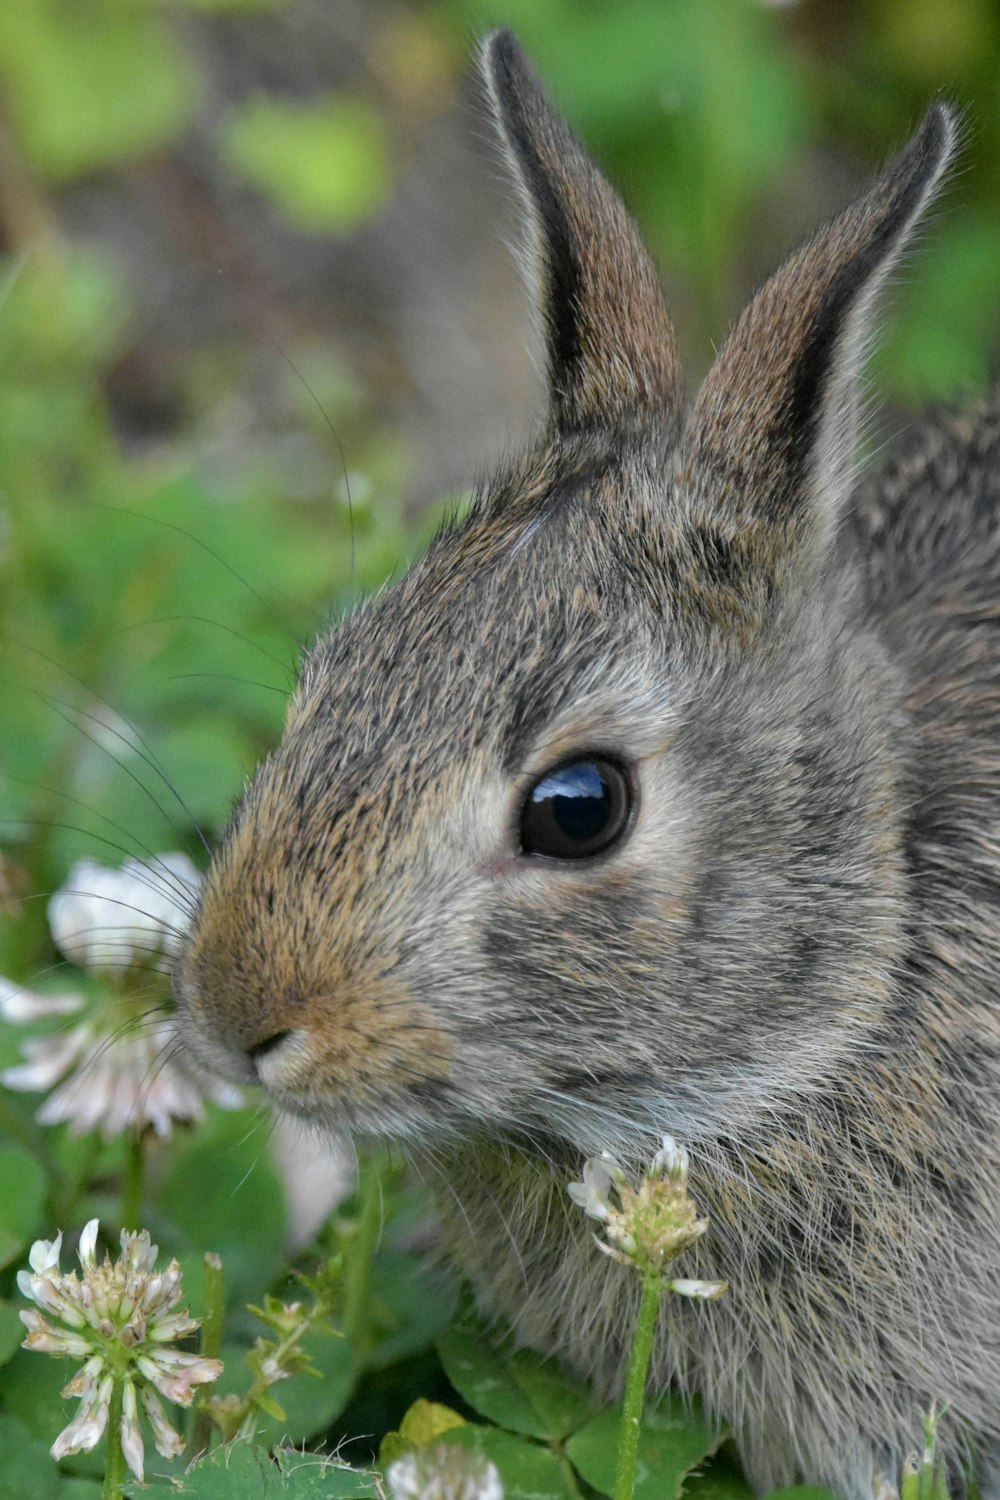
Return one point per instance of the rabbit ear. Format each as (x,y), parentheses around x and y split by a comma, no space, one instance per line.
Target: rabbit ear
(611,353)
(771,442)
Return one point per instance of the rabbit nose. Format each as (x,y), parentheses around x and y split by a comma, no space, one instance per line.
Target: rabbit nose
(262,1049)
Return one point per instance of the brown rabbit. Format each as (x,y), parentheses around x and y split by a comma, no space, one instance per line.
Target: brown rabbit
(664,795)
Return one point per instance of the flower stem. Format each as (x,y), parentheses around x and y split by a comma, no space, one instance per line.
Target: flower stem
(214,1299)
(361,1254)
(132,1182)
(114,1470)
(635,1389)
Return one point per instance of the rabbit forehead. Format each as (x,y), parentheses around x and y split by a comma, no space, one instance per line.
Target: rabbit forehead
(482,645)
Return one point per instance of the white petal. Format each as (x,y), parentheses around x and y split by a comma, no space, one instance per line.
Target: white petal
(168,1440)
(87,1427)
(99,918)
(88,1242)
(18,1004)
(706,1290)
(132,1445)
(44,1255)
(671,1160)
(47,1059)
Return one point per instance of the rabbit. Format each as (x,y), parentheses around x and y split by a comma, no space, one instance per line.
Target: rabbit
(663,795)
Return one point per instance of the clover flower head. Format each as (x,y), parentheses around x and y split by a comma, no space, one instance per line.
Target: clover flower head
(649,1226)
(106,920)
(444,1472)
(120,1317)
(119,1066)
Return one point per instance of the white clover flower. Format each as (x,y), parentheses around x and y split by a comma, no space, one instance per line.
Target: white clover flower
(671,1160)
(600,1174)
(649,1226)
(445,1472)
(121,1066)
(105,920)
(120,1318)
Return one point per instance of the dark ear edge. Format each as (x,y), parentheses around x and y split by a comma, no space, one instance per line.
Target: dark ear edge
(772,436)
(513,90)
(610,345)
(915,175)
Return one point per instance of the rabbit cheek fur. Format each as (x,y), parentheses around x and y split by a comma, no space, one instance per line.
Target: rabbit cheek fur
(791,959)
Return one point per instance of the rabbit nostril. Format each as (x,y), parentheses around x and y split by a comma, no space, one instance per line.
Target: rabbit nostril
(261,1049)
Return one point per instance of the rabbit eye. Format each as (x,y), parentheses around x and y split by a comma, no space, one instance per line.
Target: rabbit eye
(577,809)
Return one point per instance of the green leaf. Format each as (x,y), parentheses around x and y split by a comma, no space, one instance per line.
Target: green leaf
(672,1442)
(22,1198)
(422,1424)
(522,1392)
(326,165)
(224,1193)
(337,1480)
(426,1420)
(12,1330)
(802,1492)
(72,1488)
(32,1384)
(28,1469)
(243,1471)
(720,1479)
(527,1471)
(91,83)
(407,1324)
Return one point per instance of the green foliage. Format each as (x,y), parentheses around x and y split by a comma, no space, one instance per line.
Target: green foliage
(672,1442)
(326,166)
(245,1472)
(520,1391)
(90,83)
(22,1196)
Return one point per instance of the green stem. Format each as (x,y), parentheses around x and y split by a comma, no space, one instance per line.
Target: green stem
(114,1472)
(132,1183)
(635,1389)
(361,1255)
(214,1288)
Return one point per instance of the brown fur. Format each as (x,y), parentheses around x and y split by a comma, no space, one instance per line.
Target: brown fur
(791,962)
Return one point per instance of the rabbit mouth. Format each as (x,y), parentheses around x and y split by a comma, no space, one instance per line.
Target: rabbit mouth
(380,1098)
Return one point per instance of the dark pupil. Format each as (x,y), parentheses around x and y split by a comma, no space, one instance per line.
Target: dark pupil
(575,810)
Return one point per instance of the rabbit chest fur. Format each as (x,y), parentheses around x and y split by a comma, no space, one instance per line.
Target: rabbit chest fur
(784,945)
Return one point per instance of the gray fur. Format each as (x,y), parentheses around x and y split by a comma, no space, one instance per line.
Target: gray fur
(792,962)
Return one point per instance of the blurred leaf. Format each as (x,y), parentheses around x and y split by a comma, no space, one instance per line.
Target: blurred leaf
(672,1442)
(934,348)
(32,1383)
(413,1304)
(527,1471)
(325,166)
(802,1492)
(22,1198)
(422,1424)
(79,1489)
(12,1330)
(719,1479)
(519,1391)
(91,82)
(224,1193)
(28,1470)
(61,319)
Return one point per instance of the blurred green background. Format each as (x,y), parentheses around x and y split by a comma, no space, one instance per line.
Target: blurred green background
(254,277)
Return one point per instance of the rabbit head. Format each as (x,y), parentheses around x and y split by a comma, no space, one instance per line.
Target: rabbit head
(589,826)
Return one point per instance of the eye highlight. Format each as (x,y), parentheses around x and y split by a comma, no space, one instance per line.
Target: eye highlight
(577,809)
